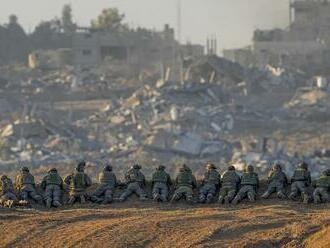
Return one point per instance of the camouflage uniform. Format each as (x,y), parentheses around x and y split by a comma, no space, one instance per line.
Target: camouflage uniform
(160,184)
(108,181)
(321,193)
(78,182)
(7,194)
(301,180)
(185,183)
(25,184)
(211,183)
(250,184)
(53,186)
(277,182)
(230,182)
(135,184)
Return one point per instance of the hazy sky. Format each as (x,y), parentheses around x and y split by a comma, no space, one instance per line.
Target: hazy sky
(233,21)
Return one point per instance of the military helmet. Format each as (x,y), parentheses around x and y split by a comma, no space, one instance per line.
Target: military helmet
(249,168)
(231,168)
(210,166)
(3,177)
(136,167)
(161,167)
(52,170)
(107,167)
(25,169)
(303,165)
(81,165)
(277,166)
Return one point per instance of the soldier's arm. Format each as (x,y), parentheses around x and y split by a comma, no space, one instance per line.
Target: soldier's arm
(88,181)
(43,183)
(67,179)
(309,179)
(194,184)
(257,181)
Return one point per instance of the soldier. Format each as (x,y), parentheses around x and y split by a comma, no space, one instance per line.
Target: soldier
(300,182)
(230,182)
(277,181)
(108,182)
(26,186)
(250,184)
(7,193)
(53,186)
(135,181)
(321,192)
(185,183)
(79,181)
(161,181)
(211,182)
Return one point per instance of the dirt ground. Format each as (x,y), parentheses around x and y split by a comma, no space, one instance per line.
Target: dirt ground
(268,223)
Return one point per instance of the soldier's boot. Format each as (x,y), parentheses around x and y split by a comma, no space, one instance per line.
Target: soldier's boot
(221,199)
(143,198)
(281,195)
(57,204)
(23,203)
(317,199)
(49,203)
(202,198)
(209,198)
(305,198)
(10,203)
(190,199)
(251,197)
(293,196)
(96,199)
(71,200)
(82,199)
(265,195)
(174,198)
(227,200)
(157,197)
(163,198)
(236,200)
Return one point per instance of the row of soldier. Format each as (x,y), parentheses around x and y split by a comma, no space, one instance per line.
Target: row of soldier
(233,187)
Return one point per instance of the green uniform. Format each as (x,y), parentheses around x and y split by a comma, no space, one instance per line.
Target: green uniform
(301,180)
(25,184)
(277,182)
(160,185)
(250,184)
(7,193)
(230,182)
(135,181)
(53,186)
(78,183)
(211,183)
(321,192)
(105,190)
(185,182)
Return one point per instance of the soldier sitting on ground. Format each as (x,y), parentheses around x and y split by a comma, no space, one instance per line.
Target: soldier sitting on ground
(185,183)
(7,193)
(161,181)
(25,184)
(78,182)
(52,183)
(300,182)
(135,181)
(108,182)
(277,181)
(230,182)
(321,192)
(210,184)
(250,184)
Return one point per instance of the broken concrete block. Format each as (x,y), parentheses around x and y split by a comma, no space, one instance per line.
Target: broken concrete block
(189,144)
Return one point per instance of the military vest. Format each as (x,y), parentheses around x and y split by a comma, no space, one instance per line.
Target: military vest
(78,181)
(212,177)
(249,179)
(300,175)
(185,179)
(26,179)
(230,179)
(107,177)
(160,177)
(135,176)
(6,186)
(53,179)
(277,176)
(323,182)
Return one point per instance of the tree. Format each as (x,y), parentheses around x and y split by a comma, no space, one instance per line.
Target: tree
(109,19)
(68,25)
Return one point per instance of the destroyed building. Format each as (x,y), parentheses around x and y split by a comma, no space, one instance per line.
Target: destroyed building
(304,44)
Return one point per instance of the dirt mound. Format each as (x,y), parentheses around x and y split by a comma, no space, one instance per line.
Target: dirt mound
(134,224)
